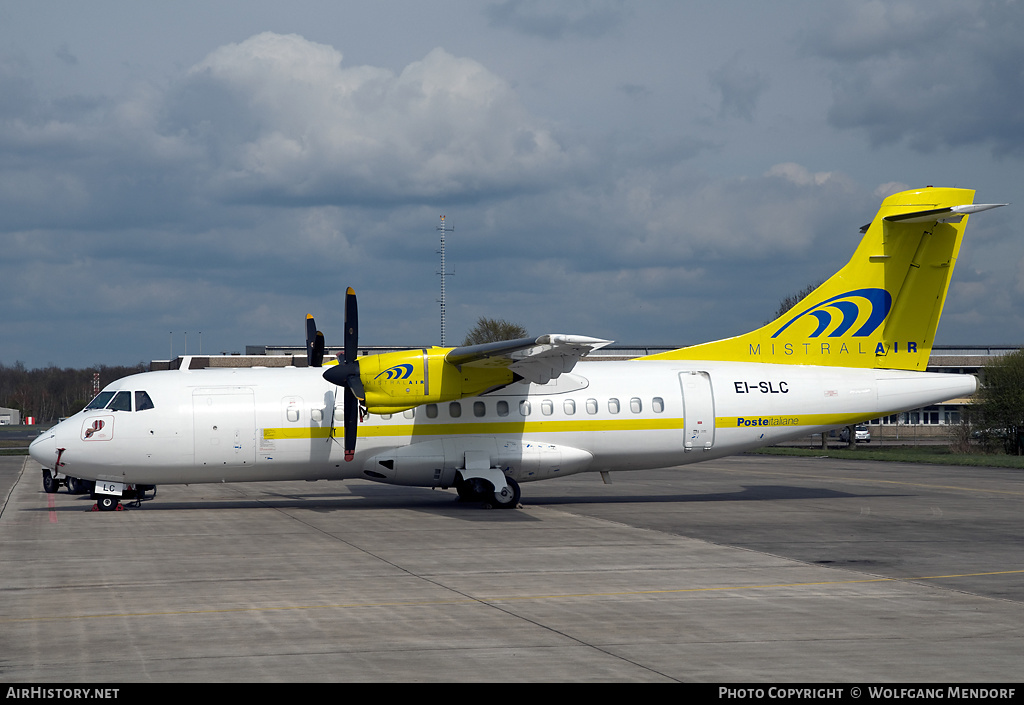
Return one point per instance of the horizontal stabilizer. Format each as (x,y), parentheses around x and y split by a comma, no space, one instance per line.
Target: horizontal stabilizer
(942,215)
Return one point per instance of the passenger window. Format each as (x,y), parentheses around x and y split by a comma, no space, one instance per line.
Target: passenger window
(524,408)
(143,402)
(431,411)
(569,406)
(455,409)
(122,402)
(635,406)
(502,408)
(547,408)
(316,414)
(613,406)
(292,413)
(591,406)
(386,417)
(479,409)
(409,413)
(658,404)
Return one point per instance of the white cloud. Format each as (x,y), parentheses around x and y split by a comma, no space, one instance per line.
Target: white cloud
(284,120)
(785,210)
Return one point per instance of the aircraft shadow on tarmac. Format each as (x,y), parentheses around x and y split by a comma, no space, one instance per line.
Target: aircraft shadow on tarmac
(370,497)
(749,493)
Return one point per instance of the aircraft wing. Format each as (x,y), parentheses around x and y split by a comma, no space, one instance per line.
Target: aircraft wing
(538,360)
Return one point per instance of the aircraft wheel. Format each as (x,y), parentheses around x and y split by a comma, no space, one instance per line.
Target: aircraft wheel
(107,503)
(509,498)
(469,490)
(76,486)
(50,483)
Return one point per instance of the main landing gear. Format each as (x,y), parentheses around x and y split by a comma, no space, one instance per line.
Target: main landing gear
(479,490)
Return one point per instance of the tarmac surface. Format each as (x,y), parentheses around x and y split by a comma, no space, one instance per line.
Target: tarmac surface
(751,569)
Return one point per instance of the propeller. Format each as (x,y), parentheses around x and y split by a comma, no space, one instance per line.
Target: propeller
(346,373)
(314,343)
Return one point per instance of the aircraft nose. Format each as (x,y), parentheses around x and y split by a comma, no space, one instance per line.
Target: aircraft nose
(44,449)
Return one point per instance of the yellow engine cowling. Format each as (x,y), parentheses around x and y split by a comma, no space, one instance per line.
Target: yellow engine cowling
(398,381)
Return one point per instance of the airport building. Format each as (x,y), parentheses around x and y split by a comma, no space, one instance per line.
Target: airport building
(9,417)
(926,422)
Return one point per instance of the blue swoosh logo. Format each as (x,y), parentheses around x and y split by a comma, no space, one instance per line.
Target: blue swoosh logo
(397,372)
(846,306)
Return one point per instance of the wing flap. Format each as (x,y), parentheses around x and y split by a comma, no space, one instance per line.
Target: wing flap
(538,360)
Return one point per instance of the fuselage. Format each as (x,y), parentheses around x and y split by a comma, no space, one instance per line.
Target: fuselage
(261,424)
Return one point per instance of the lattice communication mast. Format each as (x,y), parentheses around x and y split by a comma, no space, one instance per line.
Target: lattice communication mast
(443,272)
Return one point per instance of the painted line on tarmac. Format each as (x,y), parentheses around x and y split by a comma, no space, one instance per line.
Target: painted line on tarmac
(833,478)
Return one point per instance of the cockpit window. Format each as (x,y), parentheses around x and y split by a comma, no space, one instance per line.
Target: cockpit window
(122,402)
(100,401)
(142,401)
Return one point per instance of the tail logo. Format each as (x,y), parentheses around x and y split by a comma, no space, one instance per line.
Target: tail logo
(849,306)
(397,372)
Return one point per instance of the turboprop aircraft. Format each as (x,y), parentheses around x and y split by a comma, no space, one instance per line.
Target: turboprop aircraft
(486,418)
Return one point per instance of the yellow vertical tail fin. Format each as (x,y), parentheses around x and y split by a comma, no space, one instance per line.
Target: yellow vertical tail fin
(882,309)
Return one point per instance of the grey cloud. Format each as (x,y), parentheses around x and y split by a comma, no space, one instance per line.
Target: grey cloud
(64,54)
(17,96)
(931,76)
(853,30)
(739,87)
(586,18)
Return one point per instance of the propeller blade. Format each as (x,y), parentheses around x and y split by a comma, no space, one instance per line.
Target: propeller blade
(355,385)
(310,336)
(351,424)
(346,374)
(314,343)
(351,326)
(318,351)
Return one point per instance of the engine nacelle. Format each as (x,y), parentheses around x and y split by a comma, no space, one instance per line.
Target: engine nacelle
(398,381)
(434,463)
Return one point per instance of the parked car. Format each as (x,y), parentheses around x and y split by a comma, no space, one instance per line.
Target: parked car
(861,434)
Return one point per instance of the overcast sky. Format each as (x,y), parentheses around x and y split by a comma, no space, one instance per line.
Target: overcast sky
(649,172)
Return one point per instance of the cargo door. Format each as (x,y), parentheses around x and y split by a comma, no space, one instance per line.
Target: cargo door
(698,410)
(225,426)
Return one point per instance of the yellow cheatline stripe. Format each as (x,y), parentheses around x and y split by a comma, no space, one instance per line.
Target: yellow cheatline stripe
(492,427)
(499,598)
(672,423)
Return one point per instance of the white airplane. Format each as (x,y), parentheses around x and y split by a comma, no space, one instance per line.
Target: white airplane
(486,418)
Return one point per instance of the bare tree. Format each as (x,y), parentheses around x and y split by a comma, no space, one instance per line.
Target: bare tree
(491,330)
(792,300)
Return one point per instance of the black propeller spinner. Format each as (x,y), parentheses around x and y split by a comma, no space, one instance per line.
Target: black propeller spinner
(346,373)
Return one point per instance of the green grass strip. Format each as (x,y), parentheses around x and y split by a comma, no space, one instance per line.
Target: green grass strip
(936,455)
